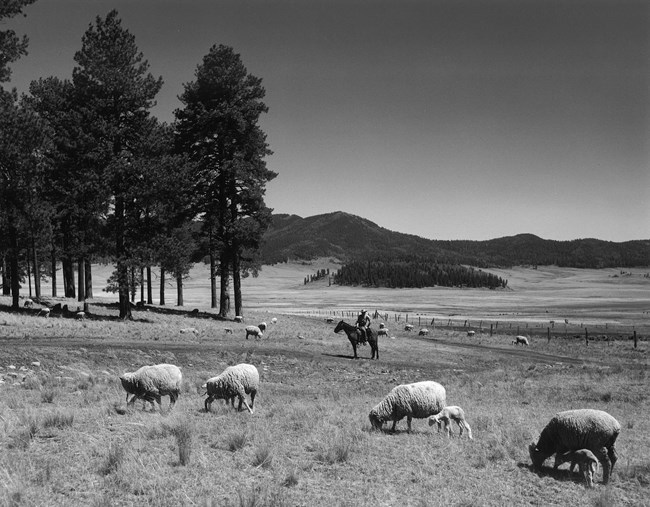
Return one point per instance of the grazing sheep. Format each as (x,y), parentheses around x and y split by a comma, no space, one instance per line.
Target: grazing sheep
(382,331)
(45,312)
(262,326)
(448,414)
(571,430)
(419,400)
(520,340)
(227,330)
(586,461)
(471,333)
(234,381)
(382,325)
(80,315)
(329,320)
(255,331)
(274,320)
(423,332)
(239,318)
(150,383)
(28,303)
(408,327)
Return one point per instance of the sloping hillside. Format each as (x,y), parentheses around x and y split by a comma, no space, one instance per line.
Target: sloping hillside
(344,236)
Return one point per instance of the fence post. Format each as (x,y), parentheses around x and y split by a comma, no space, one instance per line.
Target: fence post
(491,329)
(586,337)
(548,335)
(635,338)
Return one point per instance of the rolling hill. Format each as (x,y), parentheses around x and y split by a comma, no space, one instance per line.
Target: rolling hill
(348,237)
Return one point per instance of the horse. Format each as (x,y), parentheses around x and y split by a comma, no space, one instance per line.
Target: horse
(353,336)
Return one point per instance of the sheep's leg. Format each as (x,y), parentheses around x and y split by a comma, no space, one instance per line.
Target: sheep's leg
(469,430)
(408,422)
(447,428)
(173,396)
(253,393)
(208,402)
(394,425)
(613,457)
(603,457)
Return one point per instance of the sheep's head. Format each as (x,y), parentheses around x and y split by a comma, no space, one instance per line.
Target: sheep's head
(434,420)
(127,382)
(536,456)
(376,422)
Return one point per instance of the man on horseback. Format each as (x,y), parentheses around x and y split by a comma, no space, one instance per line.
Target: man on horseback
(363,322)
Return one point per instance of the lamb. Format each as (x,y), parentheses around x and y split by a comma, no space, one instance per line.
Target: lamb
(255,331)
(520,340)
(448,414)
(423,332)
(150,383)
(419,400)
(586,461)
(571,430)
(237,380)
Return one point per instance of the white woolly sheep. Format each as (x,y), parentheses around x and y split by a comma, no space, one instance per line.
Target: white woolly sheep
(419,400)
(586,461)
(520,340)
(423,332)
(28,303)
(382,325)
(572,430)
(80,315)
(408,327)
(239,318)
(254,331)
(383,331)
(274,320)
(262,326)
(45,312)
(234,381)
(471,333)
(150,383)
(448,414)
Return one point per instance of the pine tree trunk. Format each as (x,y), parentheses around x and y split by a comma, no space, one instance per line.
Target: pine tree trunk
(89,280)
(162,286)
(6,277)
(179,290)
(224,298)
(68,278)
(13,267)
(81,279)
(142,285)
(236,284)
(29,274)
(213,280)
(122,268)
(37,272)
(53,267)
(149,289)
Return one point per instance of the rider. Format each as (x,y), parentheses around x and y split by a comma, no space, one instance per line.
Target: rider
(363,323)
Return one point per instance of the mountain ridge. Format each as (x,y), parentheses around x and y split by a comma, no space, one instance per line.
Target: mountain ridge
(346,237)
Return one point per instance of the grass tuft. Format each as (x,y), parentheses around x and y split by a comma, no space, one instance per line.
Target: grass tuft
(237,440)
(114,460)
(184,435)
(58,420)
(263,456)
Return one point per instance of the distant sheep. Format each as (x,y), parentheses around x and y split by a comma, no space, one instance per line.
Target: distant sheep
(150,383)
(262,326)
(227,330)
(274,320)
(382,325)
(419,400)
(408,327)
(586,461)
(45,312)
(423,332)
(520,340)
(254,331)
(572,430)
(28,303)
(238,318)
(329,320)
(80,315)
(234,381)
(186,330)
(448,414)
(471,333)
(382,331)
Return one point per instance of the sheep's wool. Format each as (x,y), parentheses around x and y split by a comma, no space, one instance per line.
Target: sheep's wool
(418,400)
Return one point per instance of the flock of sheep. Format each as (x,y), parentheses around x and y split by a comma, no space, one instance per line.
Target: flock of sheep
(582,437)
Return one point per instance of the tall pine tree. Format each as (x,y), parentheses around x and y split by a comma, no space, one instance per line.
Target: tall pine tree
(219,129)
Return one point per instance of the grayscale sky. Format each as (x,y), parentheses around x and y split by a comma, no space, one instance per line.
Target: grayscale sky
(448,119)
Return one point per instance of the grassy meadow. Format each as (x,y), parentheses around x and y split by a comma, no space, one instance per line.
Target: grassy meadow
(68,439)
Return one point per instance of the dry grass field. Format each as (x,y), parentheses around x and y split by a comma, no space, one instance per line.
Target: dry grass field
(68,439)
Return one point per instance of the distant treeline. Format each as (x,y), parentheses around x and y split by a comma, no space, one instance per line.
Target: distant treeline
(414,273)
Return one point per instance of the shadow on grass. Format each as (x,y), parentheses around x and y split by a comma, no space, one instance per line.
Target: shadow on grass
(557,474)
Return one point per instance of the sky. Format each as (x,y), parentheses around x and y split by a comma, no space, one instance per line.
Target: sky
(447,119)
